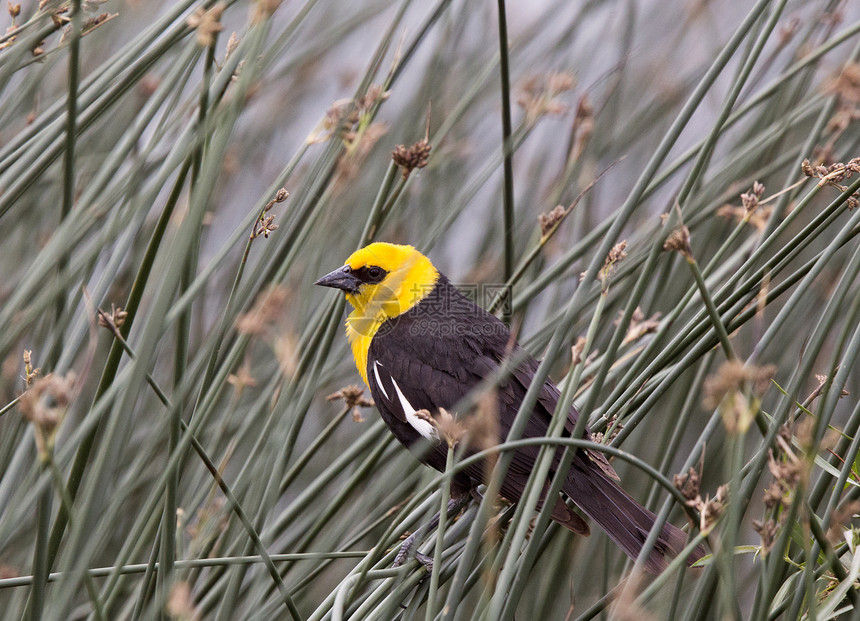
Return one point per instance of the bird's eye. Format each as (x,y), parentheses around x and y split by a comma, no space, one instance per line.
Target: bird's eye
(374,272)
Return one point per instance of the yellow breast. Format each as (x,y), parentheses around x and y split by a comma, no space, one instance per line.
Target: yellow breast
(360,332)
(411,277)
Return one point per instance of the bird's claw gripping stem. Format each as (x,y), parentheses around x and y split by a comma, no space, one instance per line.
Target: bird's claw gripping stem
(454,505)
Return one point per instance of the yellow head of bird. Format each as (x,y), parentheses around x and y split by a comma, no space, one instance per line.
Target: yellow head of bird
(382,281)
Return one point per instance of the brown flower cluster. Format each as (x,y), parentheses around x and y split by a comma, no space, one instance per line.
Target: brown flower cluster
(610,264)
(267,321)
(44,405)
(736,389)
(600,436)
(789,471)
(264,9)
(835,173)
(480,429)
(351,121)
(822,381)
(412,157)
(265,224)
(207,24)
(639,325)
(538,95)
(113,321)
(840,518)
(846,87)
(767,531)
(709,509)
(450,430)
(267,309)
(30,373)
(348,118)
(551,219)
(583,127)
(679,241)
(750,210)
(180,602)
(353,398)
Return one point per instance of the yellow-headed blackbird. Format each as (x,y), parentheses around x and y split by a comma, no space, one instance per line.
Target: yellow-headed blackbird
(421,345)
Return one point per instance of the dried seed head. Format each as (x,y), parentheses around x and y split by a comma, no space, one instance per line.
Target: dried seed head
(713,508)
(729,390)
(560,83)
(280,196)
(822,381)
(268,308)
(14,10)
(538,95)
(577,349)
(750,199)
(841,517)
(358,146)
(207,23)
(709,509)
(450,429)
(264,9)
(242,379)
(757,218)
(832,175)
(732,376)
(615,256)
(600,437)
(583,127)
(787,472)
(44,405)
(114,321)
(232,44)
(344,116)
(286,349)
(94,22)
(412,157)
(689,485)
(775,496)
(767,531)
(30,374)
(352,397)
(847,84)
(551,219)
(679,241)
(788,30)
(180,602)
(264,227)
(639,325)
(482,426)
(375,94)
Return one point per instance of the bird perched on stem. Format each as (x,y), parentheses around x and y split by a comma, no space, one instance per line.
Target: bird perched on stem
(422,347)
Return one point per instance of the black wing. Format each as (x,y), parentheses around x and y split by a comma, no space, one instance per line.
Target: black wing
(432,357)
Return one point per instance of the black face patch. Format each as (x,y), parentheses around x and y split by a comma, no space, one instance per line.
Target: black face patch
(370,274)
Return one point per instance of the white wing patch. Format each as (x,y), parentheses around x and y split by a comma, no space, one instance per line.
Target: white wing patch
(376,366)
(425,428)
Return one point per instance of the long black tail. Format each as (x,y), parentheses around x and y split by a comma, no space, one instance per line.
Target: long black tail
(625,521)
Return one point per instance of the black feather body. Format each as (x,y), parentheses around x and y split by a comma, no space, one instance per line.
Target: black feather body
(434,354)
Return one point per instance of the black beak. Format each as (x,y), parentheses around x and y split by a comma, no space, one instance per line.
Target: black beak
(342,278)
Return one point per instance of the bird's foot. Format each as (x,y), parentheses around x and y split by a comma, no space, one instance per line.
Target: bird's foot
(454,505)
(406,547)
